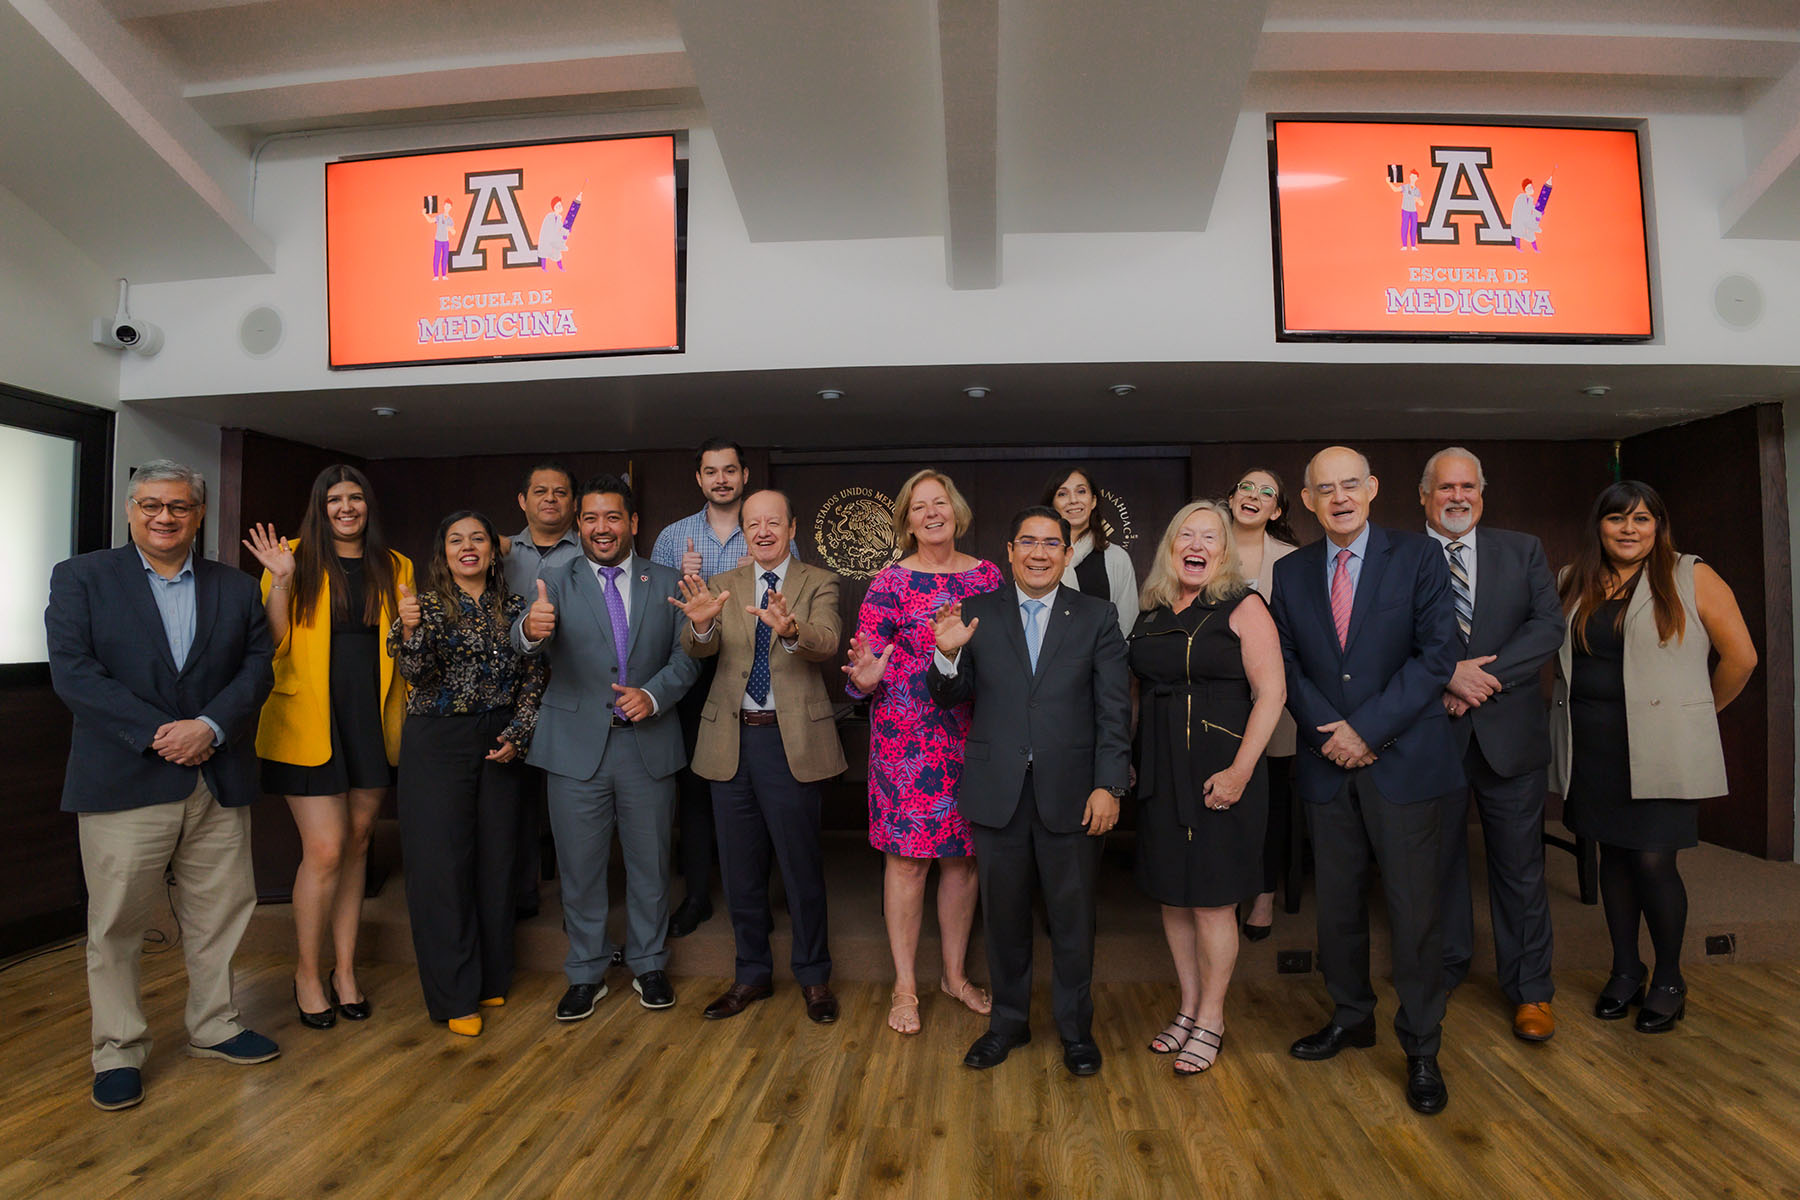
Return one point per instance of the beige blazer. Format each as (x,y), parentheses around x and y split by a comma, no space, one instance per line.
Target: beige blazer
(1670,721)
(1283,742)
(802,707)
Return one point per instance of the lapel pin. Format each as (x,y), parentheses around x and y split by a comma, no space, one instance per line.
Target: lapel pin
(643,579)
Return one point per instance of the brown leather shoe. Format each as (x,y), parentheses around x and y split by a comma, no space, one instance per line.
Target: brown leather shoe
(1534,1022)
(736,999)
(821,1005)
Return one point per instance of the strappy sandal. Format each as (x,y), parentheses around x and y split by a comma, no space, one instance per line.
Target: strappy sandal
(1175,1036)
(1201,1051)
(976,999)
(904,1003)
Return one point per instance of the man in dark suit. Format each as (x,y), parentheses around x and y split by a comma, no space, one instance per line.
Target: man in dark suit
(1509,623)
(608,737)
(1369,637)
(768,736)
(1047,758)
(164,658)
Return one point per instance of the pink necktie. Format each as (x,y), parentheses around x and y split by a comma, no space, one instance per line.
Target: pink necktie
(1340,597)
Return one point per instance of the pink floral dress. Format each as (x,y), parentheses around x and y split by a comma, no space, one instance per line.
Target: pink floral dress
(915,747)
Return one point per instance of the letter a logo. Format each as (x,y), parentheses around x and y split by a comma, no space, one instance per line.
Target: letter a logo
(494,215)
(1465,164)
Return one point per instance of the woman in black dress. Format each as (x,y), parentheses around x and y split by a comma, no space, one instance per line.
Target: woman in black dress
(1635,731)
(330,731)
(1207,675)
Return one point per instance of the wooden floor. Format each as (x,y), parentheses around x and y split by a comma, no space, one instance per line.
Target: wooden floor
(638,1104)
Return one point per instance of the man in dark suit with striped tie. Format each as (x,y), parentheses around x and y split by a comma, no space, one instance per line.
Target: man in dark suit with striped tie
(1369,637)
(1508,625)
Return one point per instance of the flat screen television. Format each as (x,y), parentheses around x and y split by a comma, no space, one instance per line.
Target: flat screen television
(1419,229)
(485,253)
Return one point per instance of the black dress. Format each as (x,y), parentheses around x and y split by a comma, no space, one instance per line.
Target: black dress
(358,753)
(1193,703)
(1599,804)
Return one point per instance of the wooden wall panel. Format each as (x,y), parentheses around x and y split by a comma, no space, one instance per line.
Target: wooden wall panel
(40,858)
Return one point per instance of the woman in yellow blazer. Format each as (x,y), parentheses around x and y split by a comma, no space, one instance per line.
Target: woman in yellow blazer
(330,731)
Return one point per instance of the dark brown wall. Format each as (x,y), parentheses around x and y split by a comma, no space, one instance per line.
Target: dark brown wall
(1725,482)
(39,856)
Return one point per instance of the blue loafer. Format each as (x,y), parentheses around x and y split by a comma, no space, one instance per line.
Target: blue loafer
(246,1048)
(121,1087)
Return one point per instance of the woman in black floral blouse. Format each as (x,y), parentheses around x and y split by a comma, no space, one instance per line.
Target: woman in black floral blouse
(469,721)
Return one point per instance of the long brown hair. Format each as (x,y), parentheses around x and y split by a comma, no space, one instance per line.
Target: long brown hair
(439,579)
(316,562)
(1277,526)
(1096,527)
(1585,584)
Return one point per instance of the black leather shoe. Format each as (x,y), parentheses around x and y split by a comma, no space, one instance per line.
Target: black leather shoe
(1082,1058)
(578,1002)
(323,1019)
(991,1048)
(350,1010)
(688,916)
(654,990)
(1616,998)
(736,999)
(1316,1047)
(1663,1006)
(1425,1089)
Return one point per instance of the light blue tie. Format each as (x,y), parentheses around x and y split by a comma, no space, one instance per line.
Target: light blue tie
(1034,631)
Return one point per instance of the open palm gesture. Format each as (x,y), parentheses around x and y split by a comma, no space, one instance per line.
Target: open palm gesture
(273,552)
(949,631)
(698,602)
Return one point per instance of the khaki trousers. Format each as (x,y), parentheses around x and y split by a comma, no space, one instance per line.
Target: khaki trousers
(124,855)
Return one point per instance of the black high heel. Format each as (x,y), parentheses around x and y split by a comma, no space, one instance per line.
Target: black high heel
(351,1010)
(1616,998)
(313,1020)
(1661,1017)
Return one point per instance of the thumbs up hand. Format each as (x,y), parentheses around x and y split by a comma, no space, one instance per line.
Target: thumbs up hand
(409,610)
(690,559)
(540,618)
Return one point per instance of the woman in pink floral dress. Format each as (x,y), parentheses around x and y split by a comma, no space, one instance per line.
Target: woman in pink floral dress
(916,748)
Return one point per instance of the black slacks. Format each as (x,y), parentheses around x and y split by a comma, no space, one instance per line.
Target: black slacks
(764,810)
(458,822)
(1512,829)
(694,806)
(1355,831)
(1065,865)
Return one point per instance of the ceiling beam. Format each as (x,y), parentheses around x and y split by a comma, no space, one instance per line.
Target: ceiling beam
(1767,203)
(969,57)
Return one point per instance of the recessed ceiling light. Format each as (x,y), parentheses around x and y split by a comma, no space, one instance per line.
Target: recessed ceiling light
(383,411)
(977,392)
(1122,389)
(1596,390)
(830,394)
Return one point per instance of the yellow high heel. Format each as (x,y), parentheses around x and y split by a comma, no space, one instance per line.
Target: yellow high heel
(469,1026)
(494,1002)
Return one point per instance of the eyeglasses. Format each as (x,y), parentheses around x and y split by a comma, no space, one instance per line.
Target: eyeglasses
(1251,489)
(154,508)
(1028,544)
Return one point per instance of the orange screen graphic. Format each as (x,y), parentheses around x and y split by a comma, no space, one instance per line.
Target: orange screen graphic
(503,252)
(1482,253)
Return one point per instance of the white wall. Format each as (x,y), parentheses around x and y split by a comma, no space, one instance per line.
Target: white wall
(142,434)
(50,293)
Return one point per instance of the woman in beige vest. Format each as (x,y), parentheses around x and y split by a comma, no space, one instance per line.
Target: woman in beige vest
(1635,731)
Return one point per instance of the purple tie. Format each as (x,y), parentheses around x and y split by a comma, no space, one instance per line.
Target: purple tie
(621,630)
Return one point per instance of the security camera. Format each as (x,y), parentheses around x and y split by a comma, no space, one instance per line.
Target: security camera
(122,331)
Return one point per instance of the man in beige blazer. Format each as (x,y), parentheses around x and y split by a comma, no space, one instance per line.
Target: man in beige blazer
(767,738)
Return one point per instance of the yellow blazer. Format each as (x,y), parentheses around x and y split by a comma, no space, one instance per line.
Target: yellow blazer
(296,719)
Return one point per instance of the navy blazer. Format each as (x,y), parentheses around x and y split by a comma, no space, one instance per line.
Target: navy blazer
(1387,680)
(110,663)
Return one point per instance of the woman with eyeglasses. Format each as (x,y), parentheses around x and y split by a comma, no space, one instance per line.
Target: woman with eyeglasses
(1634,732)
(330,731)
(1259,524)
(1209,684)
(1098,566)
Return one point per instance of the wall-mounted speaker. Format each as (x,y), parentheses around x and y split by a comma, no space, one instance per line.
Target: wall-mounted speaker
(1738,301)
(260,332)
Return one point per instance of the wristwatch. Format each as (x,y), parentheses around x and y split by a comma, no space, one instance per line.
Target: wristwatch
(1118,793)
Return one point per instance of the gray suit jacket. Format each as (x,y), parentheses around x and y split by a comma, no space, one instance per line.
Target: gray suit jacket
(1517,618)
(575,717)
(1071,716)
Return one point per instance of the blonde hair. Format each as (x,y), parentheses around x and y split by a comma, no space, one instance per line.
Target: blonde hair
(1163,588)
(904,542)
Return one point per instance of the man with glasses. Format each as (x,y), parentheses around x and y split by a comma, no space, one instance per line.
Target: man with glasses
(1368,632)
(1046,762)
(164,659)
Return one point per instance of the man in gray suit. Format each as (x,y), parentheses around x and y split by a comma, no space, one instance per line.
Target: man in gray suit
(1046,762)
(608,737)
(1509,624)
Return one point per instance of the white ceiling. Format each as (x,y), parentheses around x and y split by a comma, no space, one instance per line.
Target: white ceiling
(132,125)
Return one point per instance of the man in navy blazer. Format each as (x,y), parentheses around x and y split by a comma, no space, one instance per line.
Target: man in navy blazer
(164,659)
(610,740)
(1369,637)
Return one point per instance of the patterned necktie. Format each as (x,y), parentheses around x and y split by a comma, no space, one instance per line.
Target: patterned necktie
(1340,597)
(1459,583)
(1034,632)
(621,630)
(759,666)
